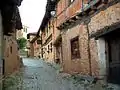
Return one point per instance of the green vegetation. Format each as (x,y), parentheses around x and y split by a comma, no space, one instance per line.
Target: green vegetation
(22,43)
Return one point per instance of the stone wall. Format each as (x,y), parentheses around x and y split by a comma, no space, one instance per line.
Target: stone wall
(11,55)
(48,55)
(82,64)
(105,18)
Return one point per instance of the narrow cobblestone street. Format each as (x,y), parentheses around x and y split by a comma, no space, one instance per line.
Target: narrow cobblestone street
(38,75)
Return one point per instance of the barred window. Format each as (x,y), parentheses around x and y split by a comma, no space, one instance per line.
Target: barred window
(75,48)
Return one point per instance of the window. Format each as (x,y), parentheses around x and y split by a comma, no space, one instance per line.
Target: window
(51,46)
(75,48)
(28,36)
(11,49)
(48,49)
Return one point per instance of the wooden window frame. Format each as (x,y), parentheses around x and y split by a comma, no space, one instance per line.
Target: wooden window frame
(77,55)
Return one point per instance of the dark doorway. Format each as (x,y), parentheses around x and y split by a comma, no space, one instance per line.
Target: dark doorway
(113,45)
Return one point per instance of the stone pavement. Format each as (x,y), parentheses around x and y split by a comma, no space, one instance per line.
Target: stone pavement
(38,75)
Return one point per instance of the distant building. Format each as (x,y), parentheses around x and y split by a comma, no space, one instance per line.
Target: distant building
(33,45)
(22,33)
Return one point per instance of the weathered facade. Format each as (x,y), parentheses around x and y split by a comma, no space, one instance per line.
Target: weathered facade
(79,25)
(9,21)
(47,31)
(105,26)
(74,53)
(85,35)
(33,45)
(11,54)
(47,42)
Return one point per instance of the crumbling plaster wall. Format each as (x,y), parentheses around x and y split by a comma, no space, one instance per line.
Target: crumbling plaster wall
(80,65)
(11,55)
(104,18)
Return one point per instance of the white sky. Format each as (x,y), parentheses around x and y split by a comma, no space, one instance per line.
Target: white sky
(32,12)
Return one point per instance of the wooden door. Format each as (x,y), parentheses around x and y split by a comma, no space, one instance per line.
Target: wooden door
(114,58)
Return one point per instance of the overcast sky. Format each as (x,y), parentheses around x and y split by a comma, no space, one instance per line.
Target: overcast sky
(32,12)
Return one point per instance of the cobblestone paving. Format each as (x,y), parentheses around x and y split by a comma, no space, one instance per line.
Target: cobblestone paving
(38,75)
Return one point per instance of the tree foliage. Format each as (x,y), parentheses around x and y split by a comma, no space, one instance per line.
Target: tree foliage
(22,43)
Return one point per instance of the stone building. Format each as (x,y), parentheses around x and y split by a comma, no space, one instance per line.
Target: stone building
(47,42)
(104,27)
(11,54)
(46,32)
(89,37)
(33,45)
(72,42)
(10,21)
(85,37)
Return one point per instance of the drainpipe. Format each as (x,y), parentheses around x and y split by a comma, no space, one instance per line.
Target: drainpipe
(89,54)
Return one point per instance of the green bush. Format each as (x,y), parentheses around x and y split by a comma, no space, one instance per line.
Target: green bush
(22,43)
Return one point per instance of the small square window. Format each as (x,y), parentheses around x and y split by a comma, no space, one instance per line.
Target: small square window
(75,48)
